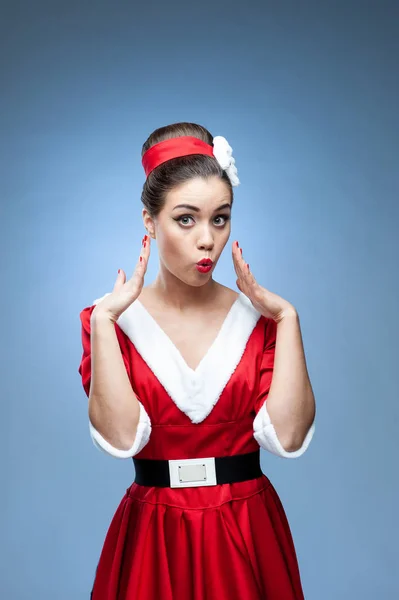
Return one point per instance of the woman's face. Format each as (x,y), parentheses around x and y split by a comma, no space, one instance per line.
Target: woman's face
(187,234)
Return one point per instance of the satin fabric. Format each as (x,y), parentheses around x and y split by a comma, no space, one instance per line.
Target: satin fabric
(229,542)
(224,542)
(173,148)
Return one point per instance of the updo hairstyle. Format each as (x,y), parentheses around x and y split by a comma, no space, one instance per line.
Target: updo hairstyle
(176,171)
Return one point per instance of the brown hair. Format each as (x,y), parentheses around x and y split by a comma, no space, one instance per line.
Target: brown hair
(178,170)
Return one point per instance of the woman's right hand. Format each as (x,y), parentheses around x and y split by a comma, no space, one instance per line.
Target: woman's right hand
(125,292)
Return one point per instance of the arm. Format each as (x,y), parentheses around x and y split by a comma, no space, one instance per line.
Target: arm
(285,405)
(291,403)
(114,409)
(112,400)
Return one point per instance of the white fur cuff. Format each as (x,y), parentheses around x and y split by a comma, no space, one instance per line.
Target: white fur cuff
(266,436)
(141,439)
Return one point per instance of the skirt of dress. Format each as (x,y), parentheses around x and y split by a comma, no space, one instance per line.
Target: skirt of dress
(224,542)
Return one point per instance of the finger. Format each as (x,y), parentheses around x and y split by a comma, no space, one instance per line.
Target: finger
(236,250)
(244,275)
(141,264)
(239,263)
(120,279)
(145,253)
(146,247)
(237,255)
(244,269)
(237,267)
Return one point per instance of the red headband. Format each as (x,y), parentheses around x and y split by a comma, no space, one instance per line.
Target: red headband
(172,148)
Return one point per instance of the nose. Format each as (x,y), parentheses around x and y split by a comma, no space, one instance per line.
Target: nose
(205,241)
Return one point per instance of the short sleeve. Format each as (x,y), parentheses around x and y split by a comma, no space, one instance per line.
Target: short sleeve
(144,425)
(264,431)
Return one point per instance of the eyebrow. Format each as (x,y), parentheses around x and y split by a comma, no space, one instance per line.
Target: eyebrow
(196,209)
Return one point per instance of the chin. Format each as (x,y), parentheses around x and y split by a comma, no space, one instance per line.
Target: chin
(198,281)
(201,283)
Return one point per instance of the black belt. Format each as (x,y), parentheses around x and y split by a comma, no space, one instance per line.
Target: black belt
(197,472)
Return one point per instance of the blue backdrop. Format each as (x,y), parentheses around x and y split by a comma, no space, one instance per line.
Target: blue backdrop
(307,95)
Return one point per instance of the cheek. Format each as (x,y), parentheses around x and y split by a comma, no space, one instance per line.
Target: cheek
(173,246)
(223,238)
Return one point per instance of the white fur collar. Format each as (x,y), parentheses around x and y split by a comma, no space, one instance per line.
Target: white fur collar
(195,392)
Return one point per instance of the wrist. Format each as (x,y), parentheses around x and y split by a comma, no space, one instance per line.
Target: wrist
(101,317)
(288,313)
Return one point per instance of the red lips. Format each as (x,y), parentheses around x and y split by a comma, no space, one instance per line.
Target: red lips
(205,262)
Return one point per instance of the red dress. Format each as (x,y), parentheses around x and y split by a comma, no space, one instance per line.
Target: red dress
(221,542)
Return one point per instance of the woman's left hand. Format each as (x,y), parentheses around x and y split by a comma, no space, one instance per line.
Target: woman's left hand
(270,305)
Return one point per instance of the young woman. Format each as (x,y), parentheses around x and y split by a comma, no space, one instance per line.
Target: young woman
(190,378)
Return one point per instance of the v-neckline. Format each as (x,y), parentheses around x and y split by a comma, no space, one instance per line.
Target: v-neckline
(172,345)
(194,392)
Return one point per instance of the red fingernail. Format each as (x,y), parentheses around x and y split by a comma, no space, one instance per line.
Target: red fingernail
(237,244)
(145,244)
(141,258)
(119,271)
(241,250)
(248,266)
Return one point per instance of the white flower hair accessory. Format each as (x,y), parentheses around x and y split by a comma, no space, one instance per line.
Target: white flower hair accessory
(223,153)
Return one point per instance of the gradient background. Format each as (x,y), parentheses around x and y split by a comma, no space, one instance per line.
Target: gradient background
(307,95)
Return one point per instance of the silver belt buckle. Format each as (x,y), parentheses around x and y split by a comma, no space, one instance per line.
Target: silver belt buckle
(192,472)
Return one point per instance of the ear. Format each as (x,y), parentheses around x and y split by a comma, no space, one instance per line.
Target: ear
(149,224)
